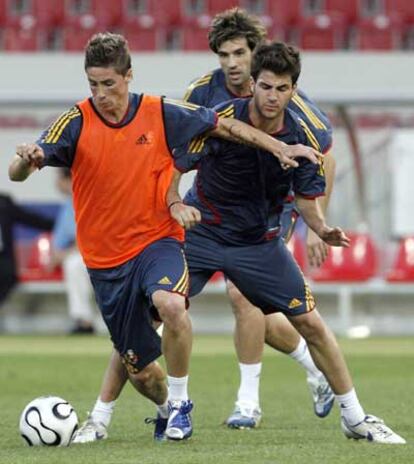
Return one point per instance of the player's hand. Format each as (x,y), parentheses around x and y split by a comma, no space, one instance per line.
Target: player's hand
(186,216)
(31,153)
(334,236)
(317,249)
(288,154)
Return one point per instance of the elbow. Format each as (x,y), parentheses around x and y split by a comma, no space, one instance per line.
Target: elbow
(16,176)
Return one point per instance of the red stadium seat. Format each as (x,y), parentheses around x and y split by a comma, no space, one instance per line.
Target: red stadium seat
(403,268)
(354,264)
(285,12)
(194,36)
(216,6)
(46,13)
(99,13)
(74,39)
(25,39)
(33,261)
(162,12)
(405,8)
(350,9)
(378,33)
(2,12)
(145,38)
(298,249)
(321,32)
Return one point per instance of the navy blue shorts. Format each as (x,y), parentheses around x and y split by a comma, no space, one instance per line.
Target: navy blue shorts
(123,294)
(266,274)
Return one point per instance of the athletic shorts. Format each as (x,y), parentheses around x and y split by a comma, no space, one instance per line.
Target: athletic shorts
(124,296)
(266,273)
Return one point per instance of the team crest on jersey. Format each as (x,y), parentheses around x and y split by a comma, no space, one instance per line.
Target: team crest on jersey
(129,360)
(295,303)
(164,281)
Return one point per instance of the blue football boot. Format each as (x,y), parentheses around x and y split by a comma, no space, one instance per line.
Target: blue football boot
(179,426)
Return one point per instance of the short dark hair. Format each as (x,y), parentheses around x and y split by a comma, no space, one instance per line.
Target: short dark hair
(277,57)
(233,24)
(106,50)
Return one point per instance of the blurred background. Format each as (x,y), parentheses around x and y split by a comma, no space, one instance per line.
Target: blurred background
(357,65)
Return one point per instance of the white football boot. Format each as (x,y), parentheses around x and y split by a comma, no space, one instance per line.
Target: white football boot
(371,429)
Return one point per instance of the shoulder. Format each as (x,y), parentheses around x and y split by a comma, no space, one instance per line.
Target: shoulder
(73,117)
(198,86)
(171,104)
(226,109)
(311,138)
(309,110)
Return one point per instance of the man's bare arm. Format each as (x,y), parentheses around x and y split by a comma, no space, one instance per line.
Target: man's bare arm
(316,248)
(240,132)
(313,217)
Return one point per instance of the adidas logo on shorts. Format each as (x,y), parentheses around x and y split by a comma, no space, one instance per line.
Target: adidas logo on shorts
(294,303)
(164,281)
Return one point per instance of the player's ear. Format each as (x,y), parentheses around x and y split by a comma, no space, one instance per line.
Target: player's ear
(251,84)
(128,75)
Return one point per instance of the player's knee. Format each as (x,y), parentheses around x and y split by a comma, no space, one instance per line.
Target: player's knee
(311,327)
(170,306)
(144,376)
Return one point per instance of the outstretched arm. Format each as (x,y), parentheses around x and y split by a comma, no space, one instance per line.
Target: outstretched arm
(316,249)
(312,215)
(238,131)
(27,159)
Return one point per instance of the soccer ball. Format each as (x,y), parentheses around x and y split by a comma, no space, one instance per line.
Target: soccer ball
(48,421)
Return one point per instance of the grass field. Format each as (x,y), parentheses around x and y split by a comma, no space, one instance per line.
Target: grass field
(72,367)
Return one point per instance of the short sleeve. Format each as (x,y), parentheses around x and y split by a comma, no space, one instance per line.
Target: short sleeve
(187,157)
(309,179)
(184,121)
(60,139)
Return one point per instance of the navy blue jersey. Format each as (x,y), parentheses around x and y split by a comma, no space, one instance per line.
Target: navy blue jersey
(211,90)
(182,121)
(238,187)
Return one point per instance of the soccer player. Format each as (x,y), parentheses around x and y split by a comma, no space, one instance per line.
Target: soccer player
(118,146)
(233,36)
(235,191)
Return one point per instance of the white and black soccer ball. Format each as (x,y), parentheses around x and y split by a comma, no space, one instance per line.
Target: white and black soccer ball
(48,421)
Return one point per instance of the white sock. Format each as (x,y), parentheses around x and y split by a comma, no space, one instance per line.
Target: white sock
(304,358)
(177,388)
(350,407)
(102,412)
(249,383)
(163,409)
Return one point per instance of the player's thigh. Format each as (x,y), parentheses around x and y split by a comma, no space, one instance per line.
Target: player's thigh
(204,257)
(125,310)
(270,278)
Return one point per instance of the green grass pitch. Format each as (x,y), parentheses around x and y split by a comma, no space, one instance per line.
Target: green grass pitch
(72,367)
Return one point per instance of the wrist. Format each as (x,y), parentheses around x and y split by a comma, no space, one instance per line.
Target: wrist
(176,202)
